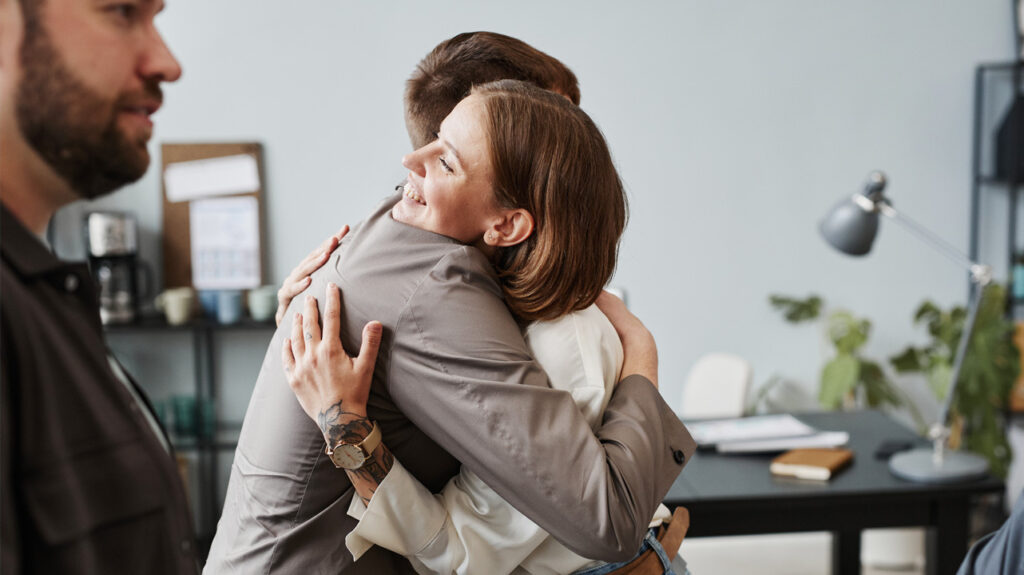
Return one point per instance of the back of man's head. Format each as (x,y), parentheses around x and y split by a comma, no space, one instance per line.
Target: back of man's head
(446,74)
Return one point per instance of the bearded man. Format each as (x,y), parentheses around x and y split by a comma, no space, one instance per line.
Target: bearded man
(87,480)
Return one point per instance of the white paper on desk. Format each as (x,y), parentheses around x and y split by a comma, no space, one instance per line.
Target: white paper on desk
(228,175)
(707,433)
(225,236)
(820,439)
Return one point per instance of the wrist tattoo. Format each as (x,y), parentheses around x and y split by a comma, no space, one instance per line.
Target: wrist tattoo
(339,425)
(373,472)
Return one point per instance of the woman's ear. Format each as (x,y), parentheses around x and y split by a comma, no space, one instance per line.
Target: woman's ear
(514,227)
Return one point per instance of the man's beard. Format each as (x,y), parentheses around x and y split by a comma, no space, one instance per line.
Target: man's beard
(73,128)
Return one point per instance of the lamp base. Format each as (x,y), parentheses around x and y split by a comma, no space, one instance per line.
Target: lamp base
(918,465)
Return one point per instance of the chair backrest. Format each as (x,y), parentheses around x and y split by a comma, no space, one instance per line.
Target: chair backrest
(717,386)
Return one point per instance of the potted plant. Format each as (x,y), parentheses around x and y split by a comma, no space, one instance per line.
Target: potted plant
(990,367)
(848,379)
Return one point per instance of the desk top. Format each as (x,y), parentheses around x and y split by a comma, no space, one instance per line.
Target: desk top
(729,478)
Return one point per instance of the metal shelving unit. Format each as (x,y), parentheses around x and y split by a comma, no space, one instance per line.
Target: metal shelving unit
(994,84)
(225,436)
(996,87)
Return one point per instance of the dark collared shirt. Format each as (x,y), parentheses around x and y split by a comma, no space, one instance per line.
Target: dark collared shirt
(85,484)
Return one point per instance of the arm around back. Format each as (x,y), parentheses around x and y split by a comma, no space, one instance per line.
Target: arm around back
(460,370)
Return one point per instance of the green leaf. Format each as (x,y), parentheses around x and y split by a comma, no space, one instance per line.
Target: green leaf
(938,378)
(797,310)
(927,312)
(838,378)
(909,361)
(878,389)
(847,332)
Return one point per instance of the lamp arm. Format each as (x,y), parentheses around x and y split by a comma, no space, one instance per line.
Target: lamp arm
(980,273)
(981,276)
(961,352)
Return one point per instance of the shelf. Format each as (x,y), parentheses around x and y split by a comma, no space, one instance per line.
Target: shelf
(158,323)
(994,182)
(1001,66)
(225,439)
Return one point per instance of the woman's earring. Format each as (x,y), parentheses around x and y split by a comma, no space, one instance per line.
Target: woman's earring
(489,236)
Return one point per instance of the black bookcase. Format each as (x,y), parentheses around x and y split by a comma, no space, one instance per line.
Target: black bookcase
(996,88)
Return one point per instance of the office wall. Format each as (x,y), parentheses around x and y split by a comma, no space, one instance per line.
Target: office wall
(735,126)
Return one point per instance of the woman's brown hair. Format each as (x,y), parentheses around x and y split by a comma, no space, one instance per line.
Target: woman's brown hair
(550,159)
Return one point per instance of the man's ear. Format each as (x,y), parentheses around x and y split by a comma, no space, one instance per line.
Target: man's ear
(514,227)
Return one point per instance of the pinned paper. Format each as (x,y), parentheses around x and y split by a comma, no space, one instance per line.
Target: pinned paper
(225,237)
(228,175)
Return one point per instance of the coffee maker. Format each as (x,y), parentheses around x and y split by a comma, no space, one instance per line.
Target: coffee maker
(111,240)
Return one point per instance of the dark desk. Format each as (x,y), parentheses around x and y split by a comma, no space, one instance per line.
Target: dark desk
(737,495)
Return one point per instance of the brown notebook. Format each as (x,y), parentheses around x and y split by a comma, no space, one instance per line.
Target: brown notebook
(819,464)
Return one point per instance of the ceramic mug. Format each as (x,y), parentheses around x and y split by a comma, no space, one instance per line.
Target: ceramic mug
(208,302)
(229,306)
(263,303)
(176,303)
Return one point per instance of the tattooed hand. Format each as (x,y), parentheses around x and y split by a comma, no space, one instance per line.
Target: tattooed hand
(331,386)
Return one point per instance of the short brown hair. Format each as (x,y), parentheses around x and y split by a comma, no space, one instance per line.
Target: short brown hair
(445,75)
(550,159)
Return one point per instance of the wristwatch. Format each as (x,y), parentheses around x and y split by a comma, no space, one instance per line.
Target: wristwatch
(354,455)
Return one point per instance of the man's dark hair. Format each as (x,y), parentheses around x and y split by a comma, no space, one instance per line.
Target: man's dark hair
(446,75)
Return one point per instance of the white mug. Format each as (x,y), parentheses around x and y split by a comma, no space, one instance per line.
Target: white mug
(176,304)
(263,302)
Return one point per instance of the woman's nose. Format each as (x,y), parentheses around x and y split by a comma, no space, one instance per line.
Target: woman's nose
(413,162)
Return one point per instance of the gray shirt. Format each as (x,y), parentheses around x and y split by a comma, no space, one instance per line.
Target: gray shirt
(454,382)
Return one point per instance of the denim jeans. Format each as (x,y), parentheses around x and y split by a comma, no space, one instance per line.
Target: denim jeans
(672,567)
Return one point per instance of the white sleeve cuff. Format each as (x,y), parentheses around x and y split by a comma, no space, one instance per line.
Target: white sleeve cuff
(403,516)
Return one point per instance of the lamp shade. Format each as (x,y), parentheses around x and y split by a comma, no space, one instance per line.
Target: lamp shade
(850,228)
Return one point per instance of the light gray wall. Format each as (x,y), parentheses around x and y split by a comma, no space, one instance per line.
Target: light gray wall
(735,126)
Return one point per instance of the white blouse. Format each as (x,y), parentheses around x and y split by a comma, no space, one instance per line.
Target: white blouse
(468,528)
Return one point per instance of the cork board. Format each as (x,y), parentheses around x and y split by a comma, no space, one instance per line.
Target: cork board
(177,248)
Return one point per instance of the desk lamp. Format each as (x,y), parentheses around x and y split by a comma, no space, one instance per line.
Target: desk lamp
(850,227)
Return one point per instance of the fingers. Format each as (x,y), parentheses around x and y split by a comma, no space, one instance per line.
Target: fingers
(298,342)
(316,259)
(372,334)
(311,322)
(288,359)
(300,277)
(615,310)
(329,244)
(291,288)
(332,315)
(287,293)
(607,302)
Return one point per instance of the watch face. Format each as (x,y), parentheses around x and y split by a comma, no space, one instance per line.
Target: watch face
(348,456)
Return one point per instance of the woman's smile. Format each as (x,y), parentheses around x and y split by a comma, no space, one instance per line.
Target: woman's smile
(410,192)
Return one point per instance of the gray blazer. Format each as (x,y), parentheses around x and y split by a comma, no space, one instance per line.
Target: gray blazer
(454,382)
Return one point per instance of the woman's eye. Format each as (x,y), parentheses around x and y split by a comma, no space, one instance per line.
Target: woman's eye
(445,165)
(124,11)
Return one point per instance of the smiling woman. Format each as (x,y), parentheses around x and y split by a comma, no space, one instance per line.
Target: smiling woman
(505,175)
(450,186)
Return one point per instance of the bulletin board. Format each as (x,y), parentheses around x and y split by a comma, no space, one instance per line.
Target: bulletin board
(177,233)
